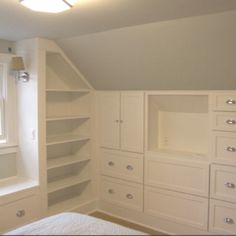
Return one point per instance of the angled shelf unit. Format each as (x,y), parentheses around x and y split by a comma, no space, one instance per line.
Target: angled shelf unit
(68,136)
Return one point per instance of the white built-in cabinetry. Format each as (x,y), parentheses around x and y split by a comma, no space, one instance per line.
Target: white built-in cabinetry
(223,169)
(176,158)
(189,168)
(121,115)
(68,131)
(122,118)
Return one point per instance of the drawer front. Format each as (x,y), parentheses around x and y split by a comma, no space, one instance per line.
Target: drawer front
(176,207)
(222,217)
(224,121)
(224,147)
(122,165)
(171,174)
(225,102)
(223,183)
(123,193)
(19,213)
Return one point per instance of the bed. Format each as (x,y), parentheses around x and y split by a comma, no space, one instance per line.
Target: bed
(73,224)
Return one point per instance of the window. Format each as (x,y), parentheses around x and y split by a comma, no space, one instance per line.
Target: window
(7,103)
(2,103)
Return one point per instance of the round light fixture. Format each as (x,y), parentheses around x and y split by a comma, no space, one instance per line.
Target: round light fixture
(50,6)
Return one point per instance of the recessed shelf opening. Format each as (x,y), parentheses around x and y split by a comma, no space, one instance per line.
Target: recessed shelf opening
(178,124)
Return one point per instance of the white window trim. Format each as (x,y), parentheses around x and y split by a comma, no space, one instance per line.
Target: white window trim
(9,104)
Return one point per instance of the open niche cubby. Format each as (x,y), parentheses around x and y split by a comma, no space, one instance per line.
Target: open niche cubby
(68,123)
(178,124)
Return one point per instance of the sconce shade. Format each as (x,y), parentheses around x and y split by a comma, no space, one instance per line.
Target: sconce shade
(18,64)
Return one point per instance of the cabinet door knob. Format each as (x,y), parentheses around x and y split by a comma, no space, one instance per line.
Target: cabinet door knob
(129,167)
(111,191)
(229,220)
(231,102)
(129,196)
(230,185)
(231,122)
(117,121)
(231,149)
(111,163)
(121,121)
(20,213)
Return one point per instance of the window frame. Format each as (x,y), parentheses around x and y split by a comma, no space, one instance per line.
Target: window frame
(8,101)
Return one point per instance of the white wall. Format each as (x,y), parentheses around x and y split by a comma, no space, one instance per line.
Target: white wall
(5,45)
(189,53)
(28,111)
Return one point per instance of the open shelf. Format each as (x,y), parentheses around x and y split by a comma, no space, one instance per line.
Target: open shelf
(70,199)
(65,161)
(62,118)
(68,104)
(68,131)
(65,183)
(178,125)
(65,138)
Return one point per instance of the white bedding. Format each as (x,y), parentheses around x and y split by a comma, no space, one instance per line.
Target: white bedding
(73,224)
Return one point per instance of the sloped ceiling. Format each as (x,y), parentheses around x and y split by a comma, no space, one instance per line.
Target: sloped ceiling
(191,53)
(90,16)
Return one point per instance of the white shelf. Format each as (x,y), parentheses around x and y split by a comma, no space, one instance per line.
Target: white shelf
(65,161)
(69,90)
(69,204)
(65,183)
(61,118)
(65,138)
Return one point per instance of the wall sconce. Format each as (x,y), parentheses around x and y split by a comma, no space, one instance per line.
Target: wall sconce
(19,68)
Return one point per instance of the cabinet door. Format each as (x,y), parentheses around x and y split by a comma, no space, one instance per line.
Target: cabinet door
(132,121)
(110,119)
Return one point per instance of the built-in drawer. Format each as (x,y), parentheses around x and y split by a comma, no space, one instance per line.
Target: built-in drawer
(224,102)
(225,121)
(179,175)
(223,183)
(123,165)
(222,217)
(122,193)
(176,207)
(18,213)
(224,147)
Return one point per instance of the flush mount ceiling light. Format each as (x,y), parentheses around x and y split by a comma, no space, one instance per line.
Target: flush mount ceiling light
(51,6)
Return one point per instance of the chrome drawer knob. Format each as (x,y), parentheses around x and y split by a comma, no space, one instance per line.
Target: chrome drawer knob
(229,220)
(230,185)
(231,102)
(111,191)
(111,163)
(20,213)
(129,167)
(129,196)
(231,149)
(231,122)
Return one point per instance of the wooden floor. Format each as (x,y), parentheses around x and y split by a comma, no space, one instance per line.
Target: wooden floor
(125,223)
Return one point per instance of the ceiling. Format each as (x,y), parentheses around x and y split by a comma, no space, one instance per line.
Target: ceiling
(91,16)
